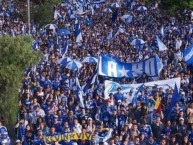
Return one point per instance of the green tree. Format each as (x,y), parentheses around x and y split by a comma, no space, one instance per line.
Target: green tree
(173,5)
(16,55)
(43,12)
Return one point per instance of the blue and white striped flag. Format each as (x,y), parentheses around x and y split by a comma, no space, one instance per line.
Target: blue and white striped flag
(65,49)
(79,93)
(87,20)
(120,30)
(80,2)
(91,81)
(57,15)
(77,32)
(188,55)
(161,45)
(127,18)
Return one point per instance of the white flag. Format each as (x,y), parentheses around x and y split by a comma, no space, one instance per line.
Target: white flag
(178,43)
(160,44)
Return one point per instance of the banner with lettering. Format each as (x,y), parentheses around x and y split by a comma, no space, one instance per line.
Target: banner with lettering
(111,87)
(69,136)
(80,136)
(111,67)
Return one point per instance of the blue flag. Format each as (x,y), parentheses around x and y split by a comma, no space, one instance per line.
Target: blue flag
(115,15)
(65,49)
(77,32)
(188,55)
(90,81)
(87,21)
(134,100)
(79,93)
(175,98)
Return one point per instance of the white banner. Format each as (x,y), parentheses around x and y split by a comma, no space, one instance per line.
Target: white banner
(111,87)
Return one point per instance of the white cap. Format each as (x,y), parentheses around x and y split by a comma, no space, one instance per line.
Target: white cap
(181,118)
(89,118)
(17,141)
(119,101)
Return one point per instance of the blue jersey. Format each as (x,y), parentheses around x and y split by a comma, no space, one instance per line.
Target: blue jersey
(143,99)
(20,131)
(55,84)
(147,130)
(38,141)
(167,131)
(121,120)
(90,104)
(118,96)
(27,103)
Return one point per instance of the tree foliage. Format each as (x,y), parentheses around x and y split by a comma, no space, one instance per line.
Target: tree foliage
(172,6)
(43,11)
(16,55)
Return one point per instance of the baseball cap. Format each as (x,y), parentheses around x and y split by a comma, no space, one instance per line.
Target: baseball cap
(89,118)
(17,141)
(181,118)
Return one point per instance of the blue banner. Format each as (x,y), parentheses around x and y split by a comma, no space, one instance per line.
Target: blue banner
(188,55)
(111,67)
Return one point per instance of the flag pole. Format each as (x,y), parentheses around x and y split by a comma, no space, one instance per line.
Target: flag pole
(28,13)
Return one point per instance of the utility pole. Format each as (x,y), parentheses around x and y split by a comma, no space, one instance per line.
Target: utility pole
(28,13)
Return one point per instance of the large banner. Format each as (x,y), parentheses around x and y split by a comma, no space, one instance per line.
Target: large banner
(111,67)
(111,87)
(69,136)
(80,136)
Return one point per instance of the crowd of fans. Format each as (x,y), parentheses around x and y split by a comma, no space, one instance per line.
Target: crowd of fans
(49,104)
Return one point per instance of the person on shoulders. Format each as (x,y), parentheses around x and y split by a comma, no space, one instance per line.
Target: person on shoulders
(118,95)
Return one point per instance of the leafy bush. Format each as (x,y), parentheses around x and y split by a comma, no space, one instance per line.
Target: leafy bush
(16,55)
